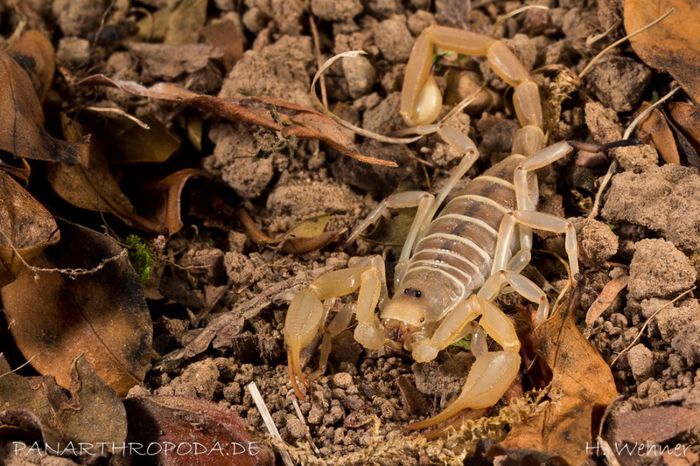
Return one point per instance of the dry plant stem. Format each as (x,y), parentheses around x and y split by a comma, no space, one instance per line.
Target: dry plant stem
(344,123)
(267,419)
(300,415)
(613,165)
(25,363)
(72,273)
(641,330)
(319,58)
(618,42)
(595,38)
(518,11)
(120,112)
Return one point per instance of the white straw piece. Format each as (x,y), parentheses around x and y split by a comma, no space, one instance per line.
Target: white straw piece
(267,419)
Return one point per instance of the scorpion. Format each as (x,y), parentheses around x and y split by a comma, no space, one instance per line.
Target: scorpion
(455,262)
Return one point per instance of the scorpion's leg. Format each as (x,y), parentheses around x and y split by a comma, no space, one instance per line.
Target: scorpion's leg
(492,372)
(421,199)
(526,215)
(306,313)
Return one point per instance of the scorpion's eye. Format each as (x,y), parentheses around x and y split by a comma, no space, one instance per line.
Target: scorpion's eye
(413,292)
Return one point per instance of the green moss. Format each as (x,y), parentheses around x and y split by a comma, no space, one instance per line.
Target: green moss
(140,256)
(465,342)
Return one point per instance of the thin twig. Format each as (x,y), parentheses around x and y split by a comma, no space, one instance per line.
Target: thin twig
(72,273)
(268,421)
(319,58)
(618,42)
(118,111)
(641,331)
(300,415)
(26,363)
(517,11)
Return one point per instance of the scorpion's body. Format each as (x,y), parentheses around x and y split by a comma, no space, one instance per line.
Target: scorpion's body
(459,244)
(453,264)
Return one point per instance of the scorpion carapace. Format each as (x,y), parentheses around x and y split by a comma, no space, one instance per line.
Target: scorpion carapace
(453,263)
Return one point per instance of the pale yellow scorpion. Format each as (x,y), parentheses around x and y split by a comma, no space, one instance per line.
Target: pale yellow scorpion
(453,264)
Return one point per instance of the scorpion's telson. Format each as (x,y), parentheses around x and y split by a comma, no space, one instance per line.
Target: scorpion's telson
(453,264)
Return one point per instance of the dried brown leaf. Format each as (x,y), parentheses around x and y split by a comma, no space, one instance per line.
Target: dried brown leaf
(166,198)
(656,425)
(26,227)
(26,71)
(687,116)
(169,420)
(656,127)
(606,298)
(308,237)
(582,385)
(34,407)
(131,143)
(291,120)
(673,44)
(92,186)
(227,36)
(392,232)
(55,317)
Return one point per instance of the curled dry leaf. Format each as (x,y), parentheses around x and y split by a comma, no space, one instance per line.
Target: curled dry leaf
(169,420)
(672,45)
(101,312)
(687,116)
(36,407)
(92,186)
(165,203)
(305,237)
(227,36)
(132,143)
(392,232)
(291,120)
(26,228)
(655,127)
(582,386)
(26,71)
(606,298)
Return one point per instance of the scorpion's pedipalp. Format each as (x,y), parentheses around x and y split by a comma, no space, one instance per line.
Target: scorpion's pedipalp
(421,100)
(489,378)
(369,332)
(416,74)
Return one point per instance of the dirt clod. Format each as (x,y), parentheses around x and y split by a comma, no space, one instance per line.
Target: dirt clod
(236,158)
(619,83)
(199,379)
(663,199)
(360,75)
(597,242)
(394,39)
(636,158)
(333,10)
(658,269)
(280,70)
(78,17)
(73,51)
(602,123)
(641,361)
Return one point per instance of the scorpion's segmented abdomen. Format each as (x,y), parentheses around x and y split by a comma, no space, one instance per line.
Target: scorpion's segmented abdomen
(460,242)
